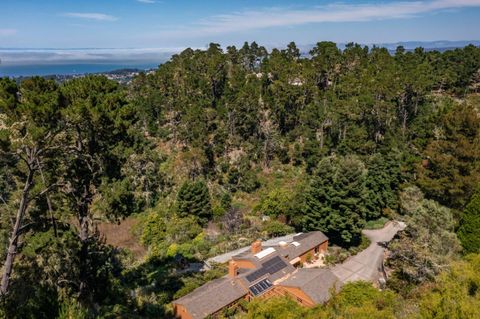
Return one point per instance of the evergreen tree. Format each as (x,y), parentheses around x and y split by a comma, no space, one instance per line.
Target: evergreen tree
(29,137)
(452,172)
(382,184)
(193,198)
(336,200)
(469,231)
(96,142)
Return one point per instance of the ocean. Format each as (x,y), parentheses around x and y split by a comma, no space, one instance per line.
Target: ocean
(68,69)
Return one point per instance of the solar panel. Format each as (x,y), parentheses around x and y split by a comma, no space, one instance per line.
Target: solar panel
(260,287)
(256,274)
(273,265)
(269,267)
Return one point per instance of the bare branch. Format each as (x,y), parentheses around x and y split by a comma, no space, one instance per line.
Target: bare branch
(46,190)
(24,228)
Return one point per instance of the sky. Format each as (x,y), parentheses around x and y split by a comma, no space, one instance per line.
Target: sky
(170,25)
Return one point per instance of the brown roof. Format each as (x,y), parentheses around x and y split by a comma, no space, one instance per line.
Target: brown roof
(307,242)
(314,282)
(283,267)
(214,295)
(211,297)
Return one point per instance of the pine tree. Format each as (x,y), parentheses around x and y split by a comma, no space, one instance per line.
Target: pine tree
(382,184)
(469,231)
(336,200)
(193,198)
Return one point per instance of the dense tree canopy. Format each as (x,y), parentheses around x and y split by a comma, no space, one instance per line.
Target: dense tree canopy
(219,147)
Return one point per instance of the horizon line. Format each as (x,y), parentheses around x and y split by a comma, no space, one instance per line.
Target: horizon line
(273,45)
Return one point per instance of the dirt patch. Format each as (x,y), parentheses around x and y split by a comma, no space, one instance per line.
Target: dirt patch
(121,235)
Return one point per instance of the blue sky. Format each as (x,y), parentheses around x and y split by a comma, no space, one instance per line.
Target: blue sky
(182,23)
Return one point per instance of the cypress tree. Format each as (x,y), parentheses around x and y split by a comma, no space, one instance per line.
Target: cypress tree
(193,198)
(382,184)
(469,231)
(335,202)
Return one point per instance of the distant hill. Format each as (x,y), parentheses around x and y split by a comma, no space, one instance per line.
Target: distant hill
(410,45)
(433,45)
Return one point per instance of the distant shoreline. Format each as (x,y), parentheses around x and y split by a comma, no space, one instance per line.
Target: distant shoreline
(26,62)
(70,69)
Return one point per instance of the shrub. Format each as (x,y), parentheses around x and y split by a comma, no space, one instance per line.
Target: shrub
(275,228)
(377,223)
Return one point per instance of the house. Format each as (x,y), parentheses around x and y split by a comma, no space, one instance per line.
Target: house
(263,272)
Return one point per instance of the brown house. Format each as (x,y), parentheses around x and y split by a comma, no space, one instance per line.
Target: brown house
(263,272)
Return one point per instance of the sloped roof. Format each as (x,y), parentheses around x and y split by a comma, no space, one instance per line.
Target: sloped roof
(272,267)
(211,297)
(306,241)
(215,295)
(316,283)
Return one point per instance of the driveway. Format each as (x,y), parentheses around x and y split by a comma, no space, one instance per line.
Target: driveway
(368,264)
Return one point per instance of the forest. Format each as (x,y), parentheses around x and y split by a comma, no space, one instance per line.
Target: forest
(222,146)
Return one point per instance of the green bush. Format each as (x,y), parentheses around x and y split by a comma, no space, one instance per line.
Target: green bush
(376,224)
(278,202)
(275,228)
(71,309)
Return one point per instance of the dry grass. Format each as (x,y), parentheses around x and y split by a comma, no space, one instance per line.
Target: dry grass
(121,235)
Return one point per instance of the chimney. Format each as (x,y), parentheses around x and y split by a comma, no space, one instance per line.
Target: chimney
(232,269)
(256,247)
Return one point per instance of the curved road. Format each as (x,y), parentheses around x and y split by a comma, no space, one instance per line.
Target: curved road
(368,264)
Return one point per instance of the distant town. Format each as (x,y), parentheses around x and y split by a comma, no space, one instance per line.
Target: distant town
(122,76)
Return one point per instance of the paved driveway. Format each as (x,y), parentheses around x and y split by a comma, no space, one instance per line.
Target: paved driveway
(367,265)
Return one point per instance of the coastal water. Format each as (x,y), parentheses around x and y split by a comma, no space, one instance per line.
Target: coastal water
(68,69)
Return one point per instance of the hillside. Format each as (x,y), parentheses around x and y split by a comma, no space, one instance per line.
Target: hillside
(109,192)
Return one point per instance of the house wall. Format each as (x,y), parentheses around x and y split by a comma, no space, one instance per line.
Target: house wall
(294,293)
(322,248)
(181,312)
(219,313)
(244,264)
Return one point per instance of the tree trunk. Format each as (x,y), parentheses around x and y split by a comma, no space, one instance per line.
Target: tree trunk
(321,138)
(13,242)
(404,121)
(84,238)
(49,202)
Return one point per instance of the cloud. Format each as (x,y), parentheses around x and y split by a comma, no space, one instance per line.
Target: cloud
(91,16)
(146,1)
(13,57)
(284,17)
(7,32)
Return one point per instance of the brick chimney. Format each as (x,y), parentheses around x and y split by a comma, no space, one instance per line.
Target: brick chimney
(232,269)
(256,247)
